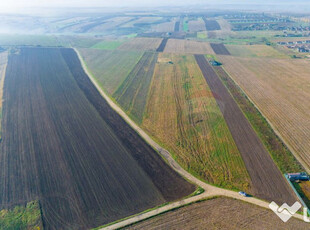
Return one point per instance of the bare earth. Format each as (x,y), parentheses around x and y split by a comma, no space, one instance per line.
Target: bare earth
(219,213)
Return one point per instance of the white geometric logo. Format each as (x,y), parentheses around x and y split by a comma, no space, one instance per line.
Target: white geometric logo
(285,212)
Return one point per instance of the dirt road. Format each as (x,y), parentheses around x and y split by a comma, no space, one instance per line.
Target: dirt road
(210,190)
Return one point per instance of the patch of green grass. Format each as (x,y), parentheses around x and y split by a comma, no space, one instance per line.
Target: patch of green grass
(110,67)
(132,93)
(198,139)
(185,24)
(22,217)
(133,35)
(78,41)
(107,45)
(301,193)
(202,35)
(29,40)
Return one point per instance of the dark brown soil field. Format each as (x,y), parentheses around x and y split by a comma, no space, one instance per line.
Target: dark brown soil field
(220,213)
(162,45)
(211,25)
(64,146)
(267,181)
(219,49)
(177,26)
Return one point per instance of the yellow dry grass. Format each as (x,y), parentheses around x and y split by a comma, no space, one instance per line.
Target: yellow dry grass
(281,90)
(196,25)
(254,51)
(163,27)
(183,115)
(141,44)
(3,63)
(188,47)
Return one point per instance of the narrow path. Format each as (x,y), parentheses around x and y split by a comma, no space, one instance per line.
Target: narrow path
(210,190)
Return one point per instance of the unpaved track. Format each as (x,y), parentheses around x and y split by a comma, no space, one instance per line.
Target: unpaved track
(210,190)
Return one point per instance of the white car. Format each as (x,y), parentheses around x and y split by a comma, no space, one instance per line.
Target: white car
(243,194)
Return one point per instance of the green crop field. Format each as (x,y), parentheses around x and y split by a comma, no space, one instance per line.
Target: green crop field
(185,24)
(132,93)
(107,45)
(29,40)
(110,68)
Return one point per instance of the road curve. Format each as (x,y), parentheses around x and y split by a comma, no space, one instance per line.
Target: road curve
(210,191)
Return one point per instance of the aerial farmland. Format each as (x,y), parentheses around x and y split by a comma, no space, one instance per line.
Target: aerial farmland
(180,117)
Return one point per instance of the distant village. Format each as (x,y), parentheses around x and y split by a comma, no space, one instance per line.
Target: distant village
(300,46)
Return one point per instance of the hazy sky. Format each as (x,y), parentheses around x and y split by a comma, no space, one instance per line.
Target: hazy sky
(21,5)
(122,3)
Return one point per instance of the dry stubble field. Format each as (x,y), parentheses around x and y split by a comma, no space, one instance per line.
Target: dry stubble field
(188,47)
(141,44)
(281,90)
(182,114)
(220,213)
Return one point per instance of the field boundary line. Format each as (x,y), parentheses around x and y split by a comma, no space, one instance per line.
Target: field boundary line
(210,190)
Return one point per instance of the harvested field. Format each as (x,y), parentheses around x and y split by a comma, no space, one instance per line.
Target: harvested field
(110,68)
(225,25)
(187,47)
(281,90)
(183,116)
(211,25)
(141,44)
(111,24)
(63,145)
(220,213)
(219,49)
(89,26)
(254,51)
(212,34)
(143,21)
(133,92)
(164,27)
(196,25)
(267,181)
(107,45)
(284,159)
(162,45)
